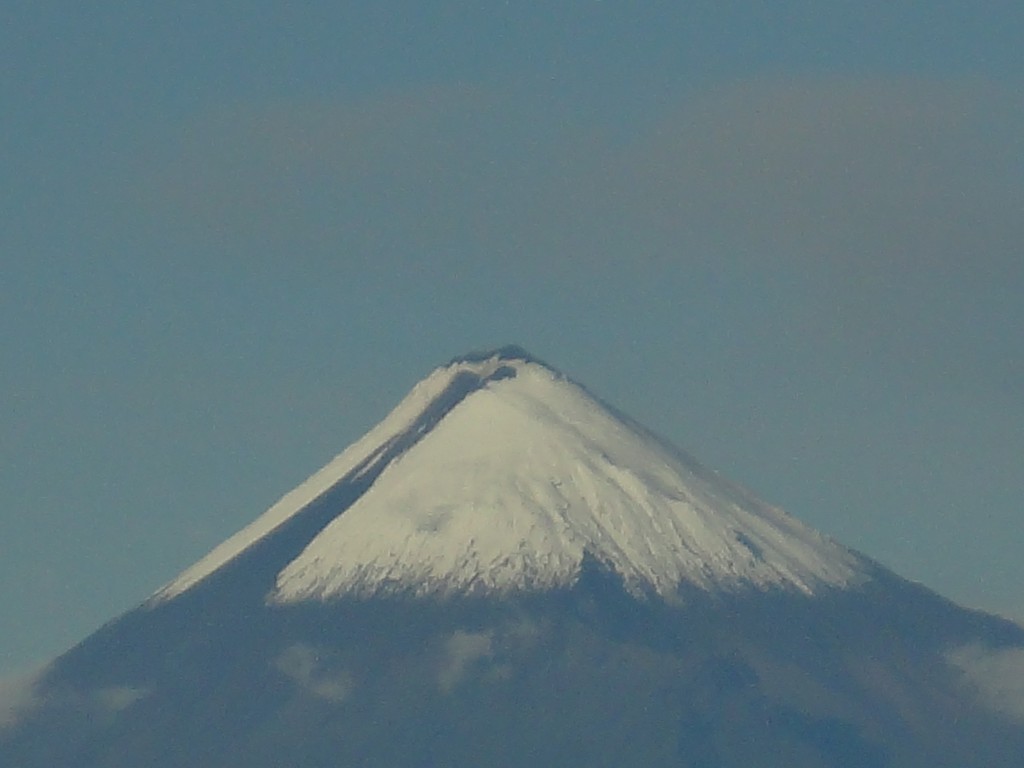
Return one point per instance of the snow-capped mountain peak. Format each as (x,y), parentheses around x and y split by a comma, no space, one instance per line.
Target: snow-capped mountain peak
(498,474)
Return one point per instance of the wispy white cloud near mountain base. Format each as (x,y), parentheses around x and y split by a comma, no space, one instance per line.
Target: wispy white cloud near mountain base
(22,694)
(462,651)
(18,695)
(998,675)
(307,668)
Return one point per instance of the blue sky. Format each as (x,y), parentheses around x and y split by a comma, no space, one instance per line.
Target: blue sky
(788,236)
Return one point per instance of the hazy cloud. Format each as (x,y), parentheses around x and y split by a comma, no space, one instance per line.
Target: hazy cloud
(997,674)
(462,650)
(887,211)
(805,168)
(18,695)
(820,166)
(489,654)
(353,176)
(118,698)
(307,667)
(896,204)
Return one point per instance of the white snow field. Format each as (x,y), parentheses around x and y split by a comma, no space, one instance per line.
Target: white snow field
(517,482)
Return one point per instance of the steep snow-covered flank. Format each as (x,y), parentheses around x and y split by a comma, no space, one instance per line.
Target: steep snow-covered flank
(343,465)
(510,489)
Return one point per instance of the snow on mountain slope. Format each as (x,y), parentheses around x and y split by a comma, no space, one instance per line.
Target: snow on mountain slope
(342,466)
(515,481)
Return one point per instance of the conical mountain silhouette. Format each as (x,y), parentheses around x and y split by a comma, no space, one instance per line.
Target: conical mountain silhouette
(507,571)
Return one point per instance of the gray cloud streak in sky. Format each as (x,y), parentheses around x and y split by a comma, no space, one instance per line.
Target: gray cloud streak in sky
(891,207)
(871,176)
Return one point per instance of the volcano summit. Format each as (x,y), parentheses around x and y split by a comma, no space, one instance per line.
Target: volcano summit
(507,571)
(497,474)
